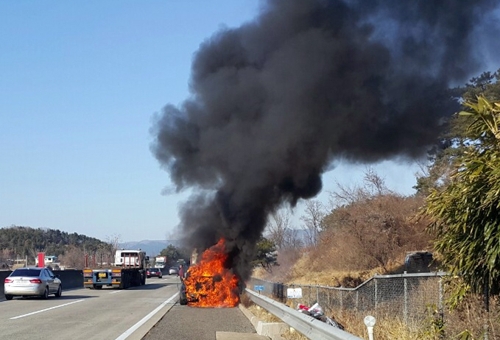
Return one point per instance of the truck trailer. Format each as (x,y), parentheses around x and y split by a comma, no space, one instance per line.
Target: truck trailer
(128,270)
(160,262)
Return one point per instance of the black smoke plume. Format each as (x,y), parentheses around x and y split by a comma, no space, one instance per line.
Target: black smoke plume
(276,100)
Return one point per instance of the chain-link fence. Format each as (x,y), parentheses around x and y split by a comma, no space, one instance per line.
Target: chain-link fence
(406,296)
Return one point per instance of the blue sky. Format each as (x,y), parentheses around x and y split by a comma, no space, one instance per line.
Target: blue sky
(80,82)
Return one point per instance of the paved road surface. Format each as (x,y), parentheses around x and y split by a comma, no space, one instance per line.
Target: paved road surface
(184,322)
(148,312)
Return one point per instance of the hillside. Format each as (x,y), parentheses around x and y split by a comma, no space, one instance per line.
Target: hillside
(151,247)
(26,242)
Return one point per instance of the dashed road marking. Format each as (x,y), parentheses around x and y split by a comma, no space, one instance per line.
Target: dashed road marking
(44,310)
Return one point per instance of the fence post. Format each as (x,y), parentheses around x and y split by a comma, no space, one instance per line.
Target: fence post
(341,299)
(328,297)
(405,310)
(440,301)
(357,299)
(375,301)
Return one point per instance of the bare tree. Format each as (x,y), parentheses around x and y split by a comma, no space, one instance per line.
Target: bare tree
(292,239)
(373,185)
(6,258)
(276,227)
(114,243)
(313,221)
(73,257)
(114,240)
(281,232)
(371,226)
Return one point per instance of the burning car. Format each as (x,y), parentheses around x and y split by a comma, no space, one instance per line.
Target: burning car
(209,283)
(204,287)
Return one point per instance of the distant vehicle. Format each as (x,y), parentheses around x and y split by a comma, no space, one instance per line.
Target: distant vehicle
(129,270)
(418,261)
(32,282)
(160,262)
(156,272)
(49,260)
(173,271)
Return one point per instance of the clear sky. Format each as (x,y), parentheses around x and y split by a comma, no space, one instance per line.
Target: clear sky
(79,84)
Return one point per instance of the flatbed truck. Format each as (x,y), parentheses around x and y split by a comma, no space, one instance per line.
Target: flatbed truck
(128,270)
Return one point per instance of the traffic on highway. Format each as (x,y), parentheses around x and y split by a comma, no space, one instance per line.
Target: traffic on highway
(106,313)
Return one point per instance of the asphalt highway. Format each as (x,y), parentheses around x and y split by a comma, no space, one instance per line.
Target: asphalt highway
(148,312)
(184,322)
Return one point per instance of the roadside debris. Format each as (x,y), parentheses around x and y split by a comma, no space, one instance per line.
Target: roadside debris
(316,311)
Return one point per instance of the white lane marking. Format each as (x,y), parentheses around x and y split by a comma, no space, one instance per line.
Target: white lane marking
(44,310)
(116,292)
(132,329)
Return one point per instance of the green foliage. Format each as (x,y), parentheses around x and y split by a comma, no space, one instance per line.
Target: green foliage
(486,85)
(171,252)
(458,136)
(436,325)
(266,255)
(174,254)
(465,213)
(26,241)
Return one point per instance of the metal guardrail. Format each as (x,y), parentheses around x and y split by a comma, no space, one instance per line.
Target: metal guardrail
(305,324)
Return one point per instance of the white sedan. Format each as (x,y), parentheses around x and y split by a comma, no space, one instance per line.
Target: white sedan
(32,281)
(173,271)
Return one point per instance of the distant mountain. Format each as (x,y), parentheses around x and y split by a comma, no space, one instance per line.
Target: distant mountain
(152,247)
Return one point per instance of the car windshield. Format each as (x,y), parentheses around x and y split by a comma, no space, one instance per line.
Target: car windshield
(26,272)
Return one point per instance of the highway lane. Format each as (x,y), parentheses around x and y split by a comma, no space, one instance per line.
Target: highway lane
(187,323)
(89,314)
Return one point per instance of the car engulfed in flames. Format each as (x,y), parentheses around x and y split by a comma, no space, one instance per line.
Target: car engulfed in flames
(210,283)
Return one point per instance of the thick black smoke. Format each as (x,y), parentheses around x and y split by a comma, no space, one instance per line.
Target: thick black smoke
(276,100)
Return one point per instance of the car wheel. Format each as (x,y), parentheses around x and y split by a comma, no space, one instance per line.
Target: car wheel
(8,297)
(46,293)
(59,291)
(183,301)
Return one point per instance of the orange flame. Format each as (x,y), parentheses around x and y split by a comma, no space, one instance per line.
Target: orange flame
(209,283)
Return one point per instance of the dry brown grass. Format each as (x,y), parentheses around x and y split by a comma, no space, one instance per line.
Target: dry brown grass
(344,258)
(464,323)
(387,328)
(467,322)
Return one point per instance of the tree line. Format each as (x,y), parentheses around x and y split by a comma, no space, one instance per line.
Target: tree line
(19,242)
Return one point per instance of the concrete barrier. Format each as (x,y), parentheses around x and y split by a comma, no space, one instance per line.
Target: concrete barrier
(70,278)
(3,275)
